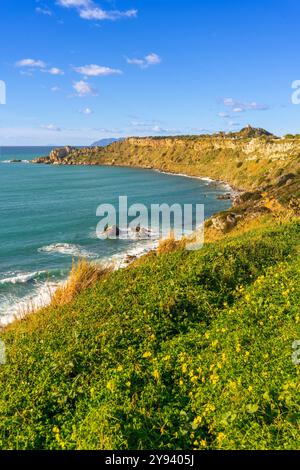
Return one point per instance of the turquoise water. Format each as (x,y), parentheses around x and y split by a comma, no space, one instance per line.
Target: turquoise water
(48,216)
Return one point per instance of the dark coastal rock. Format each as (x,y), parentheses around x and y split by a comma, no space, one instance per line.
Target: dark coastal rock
(16,161)
(142,232)
(112,231)
(130,259)
(225,197)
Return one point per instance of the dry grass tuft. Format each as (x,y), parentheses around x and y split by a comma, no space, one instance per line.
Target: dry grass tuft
(82,276)
(170,244)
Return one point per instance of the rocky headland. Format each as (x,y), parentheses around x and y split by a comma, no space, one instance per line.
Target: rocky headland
(263,168)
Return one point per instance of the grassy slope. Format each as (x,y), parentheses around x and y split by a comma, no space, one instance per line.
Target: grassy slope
(184,350)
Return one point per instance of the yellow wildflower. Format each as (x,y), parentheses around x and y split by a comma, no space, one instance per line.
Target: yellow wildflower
(214,378)
(156,375)
(147,354)
(196,423)
(110,385)
(220,437)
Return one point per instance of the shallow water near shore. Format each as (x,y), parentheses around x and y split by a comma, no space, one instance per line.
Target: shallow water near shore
(48,218)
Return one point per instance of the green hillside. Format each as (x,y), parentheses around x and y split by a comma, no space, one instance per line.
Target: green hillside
(183,350)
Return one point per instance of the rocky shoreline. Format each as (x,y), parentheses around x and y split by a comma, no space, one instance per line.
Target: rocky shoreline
(261,171)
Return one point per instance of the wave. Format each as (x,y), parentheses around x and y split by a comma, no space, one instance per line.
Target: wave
(205,179)
(125,258)
(13,308)
(67,249)
(14,161)
(21,278)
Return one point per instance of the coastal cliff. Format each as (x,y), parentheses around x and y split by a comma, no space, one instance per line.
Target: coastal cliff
(265,167)
(249,159)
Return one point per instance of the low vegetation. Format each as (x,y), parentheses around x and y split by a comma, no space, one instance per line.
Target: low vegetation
(82,276)
(185,350)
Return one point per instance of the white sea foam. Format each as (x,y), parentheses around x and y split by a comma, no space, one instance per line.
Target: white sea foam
(67,249)
(14,309)
(12,161)
(204,179)
(21,278)
(123,259)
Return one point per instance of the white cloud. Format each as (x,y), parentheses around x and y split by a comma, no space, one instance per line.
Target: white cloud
(83,88)
(229,102)
(89,10)
(223,115)
(152,59)
(55,88)
(74,3)
(239,107)
(139,62)
(30,63)
(96,13)
(51,127)
(147,61)
(44,11)
(94,70)
(37,64)
(55,71)
(86,111)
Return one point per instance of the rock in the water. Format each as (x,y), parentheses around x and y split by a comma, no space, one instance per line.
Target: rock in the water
(224,197)
(112,232)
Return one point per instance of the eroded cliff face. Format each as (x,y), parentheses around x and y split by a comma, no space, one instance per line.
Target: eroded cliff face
(249,148)
(243,162)
(265,167)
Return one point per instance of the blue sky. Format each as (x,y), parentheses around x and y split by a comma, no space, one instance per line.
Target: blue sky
(80,70)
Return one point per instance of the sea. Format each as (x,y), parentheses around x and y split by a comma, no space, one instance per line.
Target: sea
(48,219)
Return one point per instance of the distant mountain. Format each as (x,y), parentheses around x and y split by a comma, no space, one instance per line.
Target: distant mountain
(105,142)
